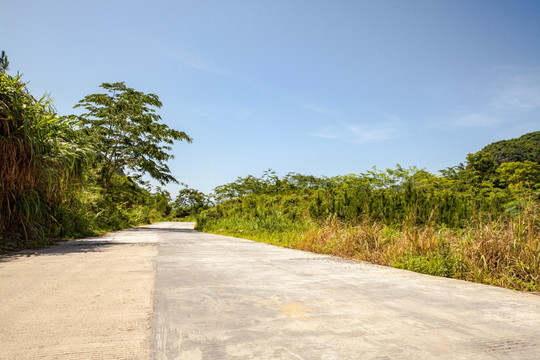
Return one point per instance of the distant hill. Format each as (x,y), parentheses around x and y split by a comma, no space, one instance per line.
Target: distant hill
(526,147)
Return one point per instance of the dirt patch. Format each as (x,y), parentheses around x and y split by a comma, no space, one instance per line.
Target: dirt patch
(84,299)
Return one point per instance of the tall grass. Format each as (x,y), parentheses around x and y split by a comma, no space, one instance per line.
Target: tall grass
(503,251)
(272,229)
(38,162)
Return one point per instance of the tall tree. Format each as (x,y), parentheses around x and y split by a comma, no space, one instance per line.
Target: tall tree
(190,201)
(126,133)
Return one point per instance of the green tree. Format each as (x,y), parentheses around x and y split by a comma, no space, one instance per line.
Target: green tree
(190,201)
(526,147)
(4,63)
(126,134)
(519,174)
(480,170)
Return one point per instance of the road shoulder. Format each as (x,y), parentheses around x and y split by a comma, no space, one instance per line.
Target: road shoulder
(83,299)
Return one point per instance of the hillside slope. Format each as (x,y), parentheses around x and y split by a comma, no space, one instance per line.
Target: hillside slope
(524,148)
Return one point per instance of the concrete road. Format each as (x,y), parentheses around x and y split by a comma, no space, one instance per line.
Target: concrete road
(81,299)
(219,297)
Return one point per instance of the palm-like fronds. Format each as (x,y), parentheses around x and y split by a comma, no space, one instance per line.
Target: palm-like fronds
(38,158)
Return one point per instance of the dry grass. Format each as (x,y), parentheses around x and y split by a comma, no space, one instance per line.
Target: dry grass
(504,252)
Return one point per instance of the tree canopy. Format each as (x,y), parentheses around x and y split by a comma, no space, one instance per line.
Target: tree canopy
(524,148)
(126,134)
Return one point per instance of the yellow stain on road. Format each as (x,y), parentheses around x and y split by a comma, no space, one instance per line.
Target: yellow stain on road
(294,309)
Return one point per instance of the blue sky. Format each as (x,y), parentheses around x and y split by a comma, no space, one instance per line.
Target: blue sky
(314,87)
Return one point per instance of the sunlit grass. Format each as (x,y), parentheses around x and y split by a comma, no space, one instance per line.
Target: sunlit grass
(503,252)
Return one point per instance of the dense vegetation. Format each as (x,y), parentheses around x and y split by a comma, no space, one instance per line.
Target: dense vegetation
(479,221)
(67,176)
(524,148)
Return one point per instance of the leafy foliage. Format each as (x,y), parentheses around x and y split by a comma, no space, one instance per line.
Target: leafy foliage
(126,134)
(66,176)
(524,148)
(479,221)
(40,160)
(4,63)
(190,202)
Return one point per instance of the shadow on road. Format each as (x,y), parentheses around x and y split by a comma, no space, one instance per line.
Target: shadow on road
(93,244)
(153,228)
(64,247)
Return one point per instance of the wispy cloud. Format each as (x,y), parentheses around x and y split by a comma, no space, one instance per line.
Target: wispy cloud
(223,114)
(365,132)
(513,93)
(188,57)
(326,133)
(322,110)
(520,92)
(476,119)
(199,63)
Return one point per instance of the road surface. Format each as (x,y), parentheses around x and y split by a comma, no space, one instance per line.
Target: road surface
(217,297)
